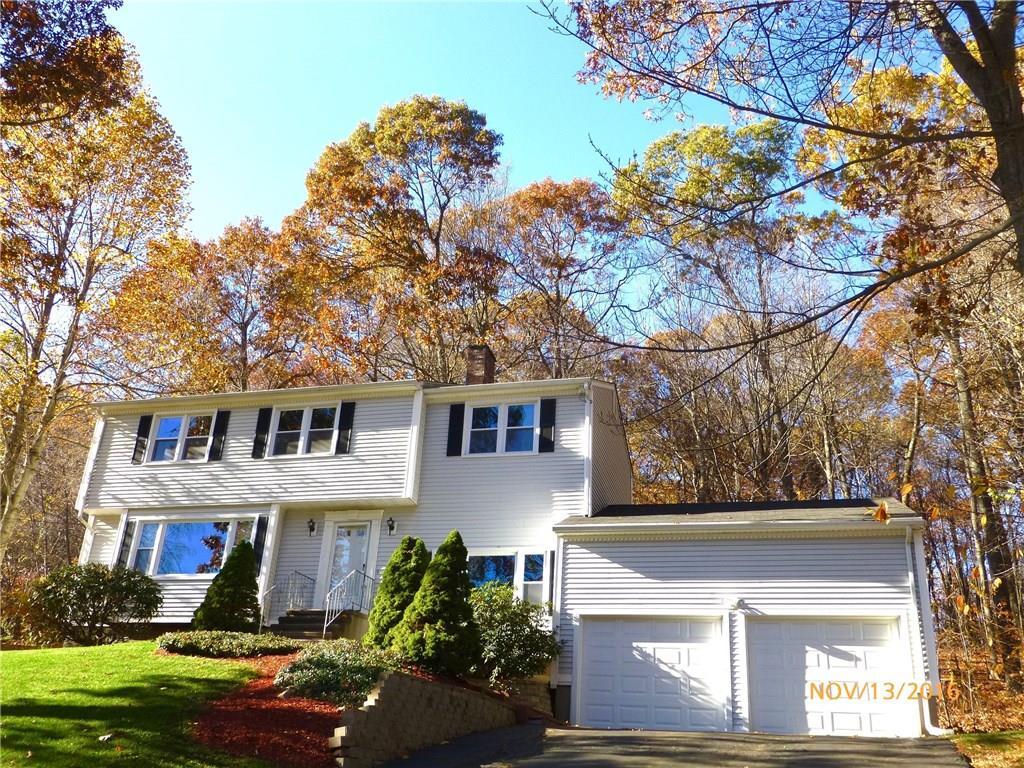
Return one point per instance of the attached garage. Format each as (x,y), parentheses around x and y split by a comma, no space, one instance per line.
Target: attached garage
(829,676)
(654,672)
(779,618)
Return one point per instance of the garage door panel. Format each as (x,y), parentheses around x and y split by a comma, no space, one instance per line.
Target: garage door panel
(668,674)
(784,656)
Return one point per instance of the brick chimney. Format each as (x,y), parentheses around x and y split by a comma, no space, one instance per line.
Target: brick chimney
(479,364)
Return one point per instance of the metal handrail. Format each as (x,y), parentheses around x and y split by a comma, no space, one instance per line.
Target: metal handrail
(353,593)
(296,591)
(263,607)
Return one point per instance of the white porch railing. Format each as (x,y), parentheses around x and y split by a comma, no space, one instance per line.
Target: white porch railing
(354,593)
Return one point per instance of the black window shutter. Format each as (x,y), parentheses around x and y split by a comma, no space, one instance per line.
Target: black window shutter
(456,417)
(126,544)
(220,429)
(346,415)
(259,540)
(142,438)
(547,426)
(259,443)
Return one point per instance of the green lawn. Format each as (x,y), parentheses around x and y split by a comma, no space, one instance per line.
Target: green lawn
(55,704)
(1001,749)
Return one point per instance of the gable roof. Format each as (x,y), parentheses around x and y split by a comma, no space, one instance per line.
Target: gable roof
(737,515)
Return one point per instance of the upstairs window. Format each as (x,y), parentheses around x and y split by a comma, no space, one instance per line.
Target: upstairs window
(301,431)
(483,430)
(182,438)
(320,437)
(520,423)
(289,432)
(505,428)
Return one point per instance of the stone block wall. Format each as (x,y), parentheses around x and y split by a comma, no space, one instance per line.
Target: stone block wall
(535,694)
(405,713)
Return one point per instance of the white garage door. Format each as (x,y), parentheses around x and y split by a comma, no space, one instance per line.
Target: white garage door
(791,663)
(664,674)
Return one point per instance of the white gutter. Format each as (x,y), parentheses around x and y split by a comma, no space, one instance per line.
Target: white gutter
(459,392)
(262,397)
(589,529)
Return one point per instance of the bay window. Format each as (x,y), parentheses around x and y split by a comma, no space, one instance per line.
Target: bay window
(185,547)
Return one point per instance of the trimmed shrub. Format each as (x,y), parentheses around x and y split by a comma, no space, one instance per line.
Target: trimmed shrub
(340,671)
(398,584)
(437,631)
(514,642)
(232,602)
(89,604)
(216,644)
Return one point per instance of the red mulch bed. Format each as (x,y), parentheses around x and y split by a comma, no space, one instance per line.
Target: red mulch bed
(254,722)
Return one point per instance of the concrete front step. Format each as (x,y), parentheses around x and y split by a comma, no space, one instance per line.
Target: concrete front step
(308,625)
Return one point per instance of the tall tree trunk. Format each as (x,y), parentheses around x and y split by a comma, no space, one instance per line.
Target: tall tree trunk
(995,562)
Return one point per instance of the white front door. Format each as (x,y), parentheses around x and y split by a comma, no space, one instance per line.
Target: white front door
(654,673)
(348,551)
(830,676)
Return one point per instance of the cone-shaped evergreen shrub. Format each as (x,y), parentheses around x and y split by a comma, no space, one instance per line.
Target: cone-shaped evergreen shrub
(231,602)
(398,584)
(437,631)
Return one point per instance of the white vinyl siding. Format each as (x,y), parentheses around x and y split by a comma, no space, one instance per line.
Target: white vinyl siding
(859,574)
(495,501)
(611,473)
(102,539)
(376,467)
(298,550)
(181,597)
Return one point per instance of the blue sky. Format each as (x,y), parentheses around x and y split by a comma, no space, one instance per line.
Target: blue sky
(256,90)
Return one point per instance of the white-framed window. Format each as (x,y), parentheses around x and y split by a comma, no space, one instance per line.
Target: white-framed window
(524,571)
(187,547)
(534,577)
(501,428)
(182,437)
(304,431)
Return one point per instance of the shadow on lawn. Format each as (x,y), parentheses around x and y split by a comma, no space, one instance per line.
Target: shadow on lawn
(149,718)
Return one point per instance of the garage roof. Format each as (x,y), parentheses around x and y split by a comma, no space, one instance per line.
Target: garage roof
(842,512)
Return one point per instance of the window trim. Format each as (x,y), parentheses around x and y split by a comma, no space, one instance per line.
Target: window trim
(502,406)
(179,447)
(158,544)
(307,417)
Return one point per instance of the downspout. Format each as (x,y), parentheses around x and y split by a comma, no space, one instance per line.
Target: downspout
(588,461)
(920,603)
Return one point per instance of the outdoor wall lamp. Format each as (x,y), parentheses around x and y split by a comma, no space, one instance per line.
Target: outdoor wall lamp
(311,525)
(391,525)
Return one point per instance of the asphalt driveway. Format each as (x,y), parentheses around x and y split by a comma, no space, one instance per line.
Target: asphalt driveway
(534,747)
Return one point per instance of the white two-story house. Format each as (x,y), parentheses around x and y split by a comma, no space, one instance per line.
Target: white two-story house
(687,617)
